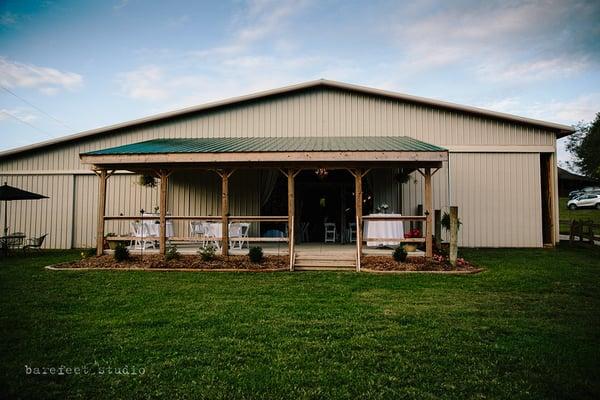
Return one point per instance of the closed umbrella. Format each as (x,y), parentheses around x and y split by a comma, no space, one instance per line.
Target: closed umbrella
(10,193)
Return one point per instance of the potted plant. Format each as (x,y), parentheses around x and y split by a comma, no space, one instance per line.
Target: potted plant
(413,233)
(112,244)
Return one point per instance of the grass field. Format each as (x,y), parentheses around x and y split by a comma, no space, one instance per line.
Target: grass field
(585,214)
(527,327)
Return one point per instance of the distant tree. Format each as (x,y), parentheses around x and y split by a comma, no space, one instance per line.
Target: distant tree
(584,145)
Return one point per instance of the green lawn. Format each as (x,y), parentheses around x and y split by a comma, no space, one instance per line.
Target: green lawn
(585,214)
(528,327)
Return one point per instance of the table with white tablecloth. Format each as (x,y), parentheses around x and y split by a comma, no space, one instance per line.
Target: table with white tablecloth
(153,226)
(390,229)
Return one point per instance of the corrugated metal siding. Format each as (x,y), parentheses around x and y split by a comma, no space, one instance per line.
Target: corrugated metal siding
(51,216)
(499,199)
(477,179)
(317,112)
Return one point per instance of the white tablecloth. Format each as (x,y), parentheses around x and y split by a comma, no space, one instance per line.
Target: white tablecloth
(153,227)
(384,230)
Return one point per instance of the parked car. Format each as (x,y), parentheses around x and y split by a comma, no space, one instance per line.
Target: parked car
(585,200)
(577,193)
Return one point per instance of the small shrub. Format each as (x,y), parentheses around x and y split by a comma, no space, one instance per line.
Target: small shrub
(87,253)
(172,253)
(207,253)
(256,254)
(399,254)
(121,253)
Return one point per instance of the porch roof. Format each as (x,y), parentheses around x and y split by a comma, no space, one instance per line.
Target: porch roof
(239,150)
(271,144)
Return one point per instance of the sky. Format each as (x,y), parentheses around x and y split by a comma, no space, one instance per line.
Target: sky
(70,66)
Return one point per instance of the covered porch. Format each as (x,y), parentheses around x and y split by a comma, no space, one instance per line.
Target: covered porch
(224,156)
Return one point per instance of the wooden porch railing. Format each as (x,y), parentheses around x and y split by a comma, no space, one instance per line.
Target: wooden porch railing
(214,218)
(420,218)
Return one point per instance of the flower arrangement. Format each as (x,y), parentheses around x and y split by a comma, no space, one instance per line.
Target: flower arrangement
(383,207)
(413,233)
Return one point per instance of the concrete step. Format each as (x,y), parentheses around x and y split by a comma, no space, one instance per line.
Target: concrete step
(313,268)
(310,263)
(326,257)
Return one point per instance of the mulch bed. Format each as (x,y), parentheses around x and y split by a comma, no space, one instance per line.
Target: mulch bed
(155,261)
(382,263)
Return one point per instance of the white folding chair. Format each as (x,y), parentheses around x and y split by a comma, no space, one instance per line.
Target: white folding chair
(235,232)
(239,233)
(140,231)
(304,231)
(330,232)
(211,232)
(352,232)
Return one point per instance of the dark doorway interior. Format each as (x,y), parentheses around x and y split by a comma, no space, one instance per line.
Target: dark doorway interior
(321,198)
(546,181)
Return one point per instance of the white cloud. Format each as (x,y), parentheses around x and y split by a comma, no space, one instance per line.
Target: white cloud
(8,19)
(144,83)
(45,79)
(533,70)
(21,113)
(120,4)
(499,40)
(569,112)
(257,20)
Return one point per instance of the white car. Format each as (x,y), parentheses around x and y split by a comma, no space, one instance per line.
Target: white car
(585,200)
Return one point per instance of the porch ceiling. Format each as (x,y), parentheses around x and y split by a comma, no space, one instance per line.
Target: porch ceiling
(267,152)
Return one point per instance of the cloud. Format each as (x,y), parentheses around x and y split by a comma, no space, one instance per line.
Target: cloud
(21,113)
(144,83)
(120,4)
(499,40)
(571,111)
(45,79)
(533,70)
(256,20)
(8,19)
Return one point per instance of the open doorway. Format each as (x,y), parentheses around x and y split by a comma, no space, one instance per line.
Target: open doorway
(321,196)
(547,198)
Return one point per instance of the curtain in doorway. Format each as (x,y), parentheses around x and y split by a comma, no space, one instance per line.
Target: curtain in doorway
(267,179)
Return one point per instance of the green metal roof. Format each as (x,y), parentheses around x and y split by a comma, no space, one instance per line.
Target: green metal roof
(271,144)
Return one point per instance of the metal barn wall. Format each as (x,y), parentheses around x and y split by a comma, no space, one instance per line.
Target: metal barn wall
(53,216)
(313,112)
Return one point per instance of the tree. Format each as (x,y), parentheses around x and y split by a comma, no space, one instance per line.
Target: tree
(584,145)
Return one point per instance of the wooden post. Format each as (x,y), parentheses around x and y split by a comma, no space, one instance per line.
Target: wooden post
(358,196)
(291,174)
(164,183)
(428,214)
(102,178)
(225,212)
(453,234)
(437,217)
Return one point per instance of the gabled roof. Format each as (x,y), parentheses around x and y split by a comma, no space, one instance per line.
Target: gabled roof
(561,130)
(269,144)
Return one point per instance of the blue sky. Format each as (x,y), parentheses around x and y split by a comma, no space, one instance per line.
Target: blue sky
(84,64)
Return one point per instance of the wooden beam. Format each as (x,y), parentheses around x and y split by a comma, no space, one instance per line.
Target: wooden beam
(164,184)
(225,174)
(291,210)
(428,213)
(252,157)
(437,217)
(102,178)
(358,198)
(453,234)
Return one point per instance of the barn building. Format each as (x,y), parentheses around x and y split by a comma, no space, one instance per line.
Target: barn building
(499,169)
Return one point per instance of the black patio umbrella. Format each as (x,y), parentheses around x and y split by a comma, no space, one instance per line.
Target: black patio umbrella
(10,193)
